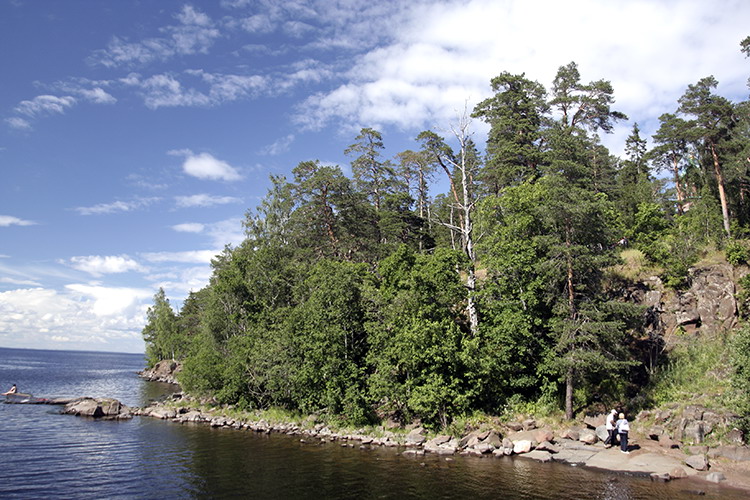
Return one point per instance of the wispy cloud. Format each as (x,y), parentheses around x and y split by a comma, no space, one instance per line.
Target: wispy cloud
(198,88)
(45,105)
(278,147)
(18,123)
(187,257)
(116,206)
(98,265)
(9,220)
(19,282)
(194,33)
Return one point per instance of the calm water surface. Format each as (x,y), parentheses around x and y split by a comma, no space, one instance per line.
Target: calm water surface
(48,455)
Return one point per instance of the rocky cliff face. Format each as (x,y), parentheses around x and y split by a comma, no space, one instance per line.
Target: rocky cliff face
(708,306)
(163,371)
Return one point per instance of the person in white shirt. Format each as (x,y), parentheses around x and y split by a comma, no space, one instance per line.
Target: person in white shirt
(623,427)
(611,430)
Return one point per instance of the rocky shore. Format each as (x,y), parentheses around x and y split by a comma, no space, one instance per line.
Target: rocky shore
(580,445)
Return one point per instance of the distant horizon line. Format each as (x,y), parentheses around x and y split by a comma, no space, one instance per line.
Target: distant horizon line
(70,350)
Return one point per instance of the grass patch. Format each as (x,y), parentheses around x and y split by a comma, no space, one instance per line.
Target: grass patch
(696,371)
(635,266)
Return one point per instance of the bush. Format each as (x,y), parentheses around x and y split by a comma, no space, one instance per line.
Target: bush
(740,356)
(737,252)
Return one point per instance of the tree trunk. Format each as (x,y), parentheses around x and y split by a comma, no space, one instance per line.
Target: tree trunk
(722,190)
(677,185)
(569,394)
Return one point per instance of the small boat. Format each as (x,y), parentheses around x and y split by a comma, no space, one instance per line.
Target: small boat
(20,397)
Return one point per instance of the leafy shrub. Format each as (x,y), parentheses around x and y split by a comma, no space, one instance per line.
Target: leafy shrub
(737,252)
(740,356)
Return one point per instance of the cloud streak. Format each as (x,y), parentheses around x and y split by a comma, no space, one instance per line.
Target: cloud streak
(116,206)
(9,220)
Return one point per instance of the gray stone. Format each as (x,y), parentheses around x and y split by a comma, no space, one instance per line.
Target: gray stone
(529,424)
(656,432)
(678,473)
(715,477)
(493,439)
(735,436)
(539,455)
(416,436)
(484,448)
(602,433)
(594,421)
(547,446)
(738,453)
(543,435)
(522,446)
(697,462)
(97,408)
(570,434)
(667,442)
(587,436)
(660,476)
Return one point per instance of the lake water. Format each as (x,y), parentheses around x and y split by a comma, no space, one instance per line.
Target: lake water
(48,455)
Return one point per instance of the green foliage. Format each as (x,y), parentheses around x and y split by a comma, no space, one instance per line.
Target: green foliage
(740,359)
(160,333)
(737,252)
(365,298)
(418,349)
(695,370)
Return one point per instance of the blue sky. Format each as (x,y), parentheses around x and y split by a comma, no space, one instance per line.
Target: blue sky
(135,135)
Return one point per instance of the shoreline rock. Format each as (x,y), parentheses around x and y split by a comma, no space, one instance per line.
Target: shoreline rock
(164,371)
(577,448)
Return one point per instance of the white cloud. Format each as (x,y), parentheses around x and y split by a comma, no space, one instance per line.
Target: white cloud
(80,317)
(198,88)
(441,54)
(189,227)
(9,220)
(97,96)
(18,123)
(181,282)
(98,265)
(45,105)
(194,34)
(204,200)
(109,301)
(205,166)
(17,282)
(227,232)
(278,147)
(187,257)
(116,206)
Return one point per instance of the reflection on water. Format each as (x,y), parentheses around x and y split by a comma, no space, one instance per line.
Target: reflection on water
(45,454)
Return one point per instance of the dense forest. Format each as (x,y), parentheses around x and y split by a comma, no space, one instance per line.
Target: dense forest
(371,297)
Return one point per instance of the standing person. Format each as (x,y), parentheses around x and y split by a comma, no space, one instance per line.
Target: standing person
(623,427)
(611,430)
(12,390)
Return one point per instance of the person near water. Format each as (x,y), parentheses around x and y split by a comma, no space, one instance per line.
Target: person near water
(12,390)
(623,427)
(611,429)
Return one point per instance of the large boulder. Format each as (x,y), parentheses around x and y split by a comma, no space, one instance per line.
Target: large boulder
(522,446)
(587,436)
(97,408)
(163,371)
(697,462)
